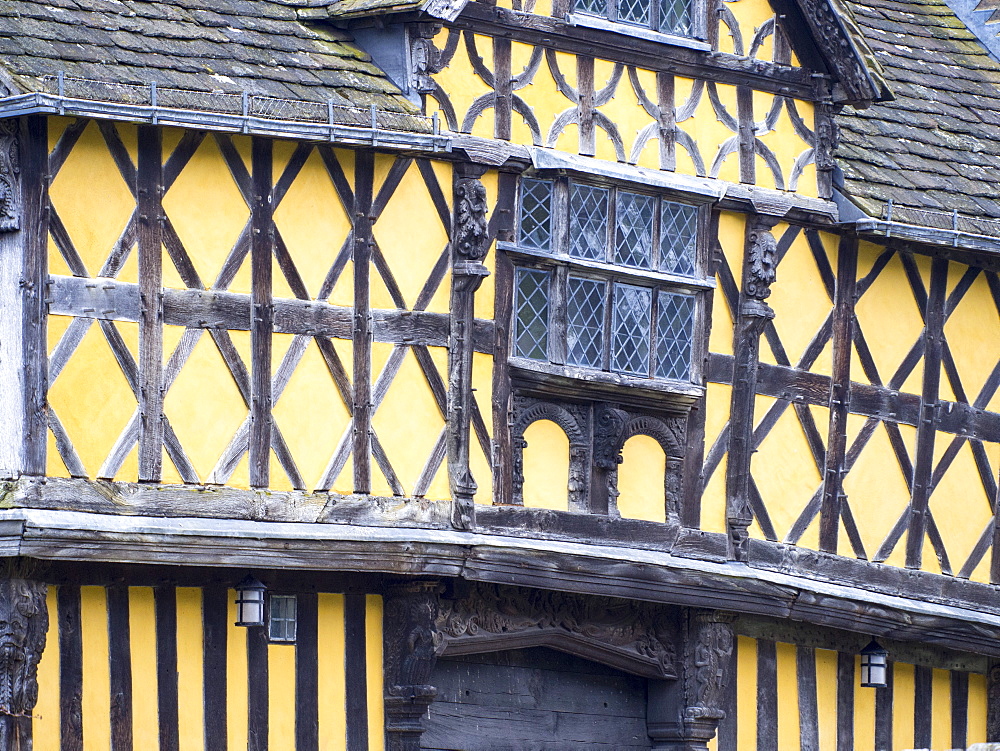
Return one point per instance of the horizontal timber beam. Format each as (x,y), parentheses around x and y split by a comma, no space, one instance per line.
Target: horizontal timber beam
(113,300)
(783,382)
(77,520)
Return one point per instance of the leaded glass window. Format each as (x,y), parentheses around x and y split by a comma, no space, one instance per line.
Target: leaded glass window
(531,334)
(667,16)
(281,621)
(611,284)
(585,321)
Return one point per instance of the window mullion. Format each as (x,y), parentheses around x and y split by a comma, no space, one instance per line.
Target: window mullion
(557,315)
(656,252)
(560,217)
(654,15)
(654,310)
(609,301)
(611,246)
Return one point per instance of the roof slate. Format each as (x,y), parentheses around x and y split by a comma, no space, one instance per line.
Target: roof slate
(231,46)
(937,146)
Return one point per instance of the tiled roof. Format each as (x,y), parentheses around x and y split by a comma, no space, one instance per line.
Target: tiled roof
(937,146)
(231,46)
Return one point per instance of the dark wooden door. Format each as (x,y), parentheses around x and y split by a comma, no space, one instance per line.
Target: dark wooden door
(534,700)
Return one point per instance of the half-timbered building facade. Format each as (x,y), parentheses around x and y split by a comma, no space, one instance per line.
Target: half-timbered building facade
(598,374)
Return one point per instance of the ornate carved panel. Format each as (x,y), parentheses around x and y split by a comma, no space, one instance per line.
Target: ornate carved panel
(10,168)
(24,622)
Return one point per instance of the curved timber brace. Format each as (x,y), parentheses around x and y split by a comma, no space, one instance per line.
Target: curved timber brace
(469,245)
(759,264)
(24,622)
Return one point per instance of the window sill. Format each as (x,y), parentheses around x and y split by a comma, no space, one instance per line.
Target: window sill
(576,382)
(586,21)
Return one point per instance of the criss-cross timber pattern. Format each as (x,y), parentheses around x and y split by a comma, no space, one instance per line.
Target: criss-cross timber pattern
(891,471)
(659,114)
(210,307)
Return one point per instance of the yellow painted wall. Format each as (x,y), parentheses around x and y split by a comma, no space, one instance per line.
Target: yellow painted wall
(546,466)
(190,645)
(640,480)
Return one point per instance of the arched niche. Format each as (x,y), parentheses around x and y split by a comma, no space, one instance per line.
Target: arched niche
(641,479)
(545,452)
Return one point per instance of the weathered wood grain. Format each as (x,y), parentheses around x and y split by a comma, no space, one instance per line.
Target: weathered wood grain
(307,673)
(70,668)
(364,175)
(215,626)
(120,662)
(262,315)
(355,669)
(165,607)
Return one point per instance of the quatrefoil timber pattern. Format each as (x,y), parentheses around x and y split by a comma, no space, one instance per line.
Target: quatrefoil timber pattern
(206,363)
(884,484)
(629,114)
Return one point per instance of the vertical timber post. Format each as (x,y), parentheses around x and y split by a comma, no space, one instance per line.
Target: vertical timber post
(25,617)
(23,254)
(923,466)
(754,313)
(363,189)
(262,314)
(840,385)
(411,610)
(684,715)
(503,314)
(149,190)
(470,241)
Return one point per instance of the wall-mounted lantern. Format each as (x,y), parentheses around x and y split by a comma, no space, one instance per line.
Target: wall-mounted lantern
(874,666)
(250,602)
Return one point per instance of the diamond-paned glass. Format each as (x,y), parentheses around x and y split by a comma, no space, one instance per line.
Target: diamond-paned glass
(675,334)
(531,333)
(536,213)
(634,11)
(281,624)
(588,222)
(634,236)
(594,7)
(630,329)
(675,17)
(585,321)
(678,237)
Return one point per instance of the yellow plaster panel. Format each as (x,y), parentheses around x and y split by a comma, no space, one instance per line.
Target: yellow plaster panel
(204,405)
(784,468)
(903,692)
(313,223)
(462,84)
(826,698)
(544,99)
(92,398)
(45,718)
(864,711)
(941,709)
(408,443)
(546,466)
(785,143)
(710,132)
(750,16)
(876,489)
(713,499)
(236,679)
(190,669)
(640,480)
(145,692)
(623,110)
(973,335)
(96,704)
(788,696)
(311,413)
(888,316)
(209,213)
(482,384)
(732,238)
(373,667)
(978,708)
(412,237)
(92,199)
(330,669)
(746,694)
(961,487)
(800,301)
(281,697)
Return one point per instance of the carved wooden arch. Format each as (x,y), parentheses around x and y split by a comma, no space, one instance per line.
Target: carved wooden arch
(579,447)
(657,429)
(625,635)
(671,440)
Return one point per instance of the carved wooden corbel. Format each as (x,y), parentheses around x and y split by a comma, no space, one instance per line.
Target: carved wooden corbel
(684,715)
(470,243)
(759,266)
(425,57)
(10,184)
(409,638)
(24,622)
(993,703)
(609,438)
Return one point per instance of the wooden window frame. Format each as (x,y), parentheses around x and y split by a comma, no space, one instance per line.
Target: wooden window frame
(271,637)
(560,265)
(609,20)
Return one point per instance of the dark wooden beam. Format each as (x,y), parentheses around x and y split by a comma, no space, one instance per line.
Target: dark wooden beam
(355,667)
(70,668)
(215,625)
(165,607)
(262,312)
(503,305)
(120,661)
(149,192)
(840,394)
(364,176)
(934,318)
(307,673)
